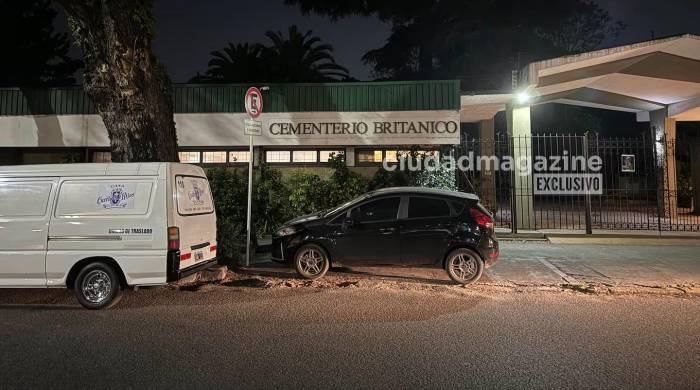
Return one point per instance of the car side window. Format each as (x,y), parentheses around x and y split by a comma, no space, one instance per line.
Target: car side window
(420,207)
(338,220)
(378,210)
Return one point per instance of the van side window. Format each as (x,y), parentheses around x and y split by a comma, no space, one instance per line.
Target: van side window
(24,199)
(420,207)
(103,197)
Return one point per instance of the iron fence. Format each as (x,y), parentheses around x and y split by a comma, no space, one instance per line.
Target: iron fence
(645,183)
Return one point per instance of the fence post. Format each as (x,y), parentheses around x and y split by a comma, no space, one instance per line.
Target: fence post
(659,205)
(513,192)
(589,218)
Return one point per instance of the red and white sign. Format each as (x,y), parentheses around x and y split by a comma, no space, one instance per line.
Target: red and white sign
(253,102)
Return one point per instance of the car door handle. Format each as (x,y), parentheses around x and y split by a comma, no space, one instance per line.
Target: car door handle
(388,230)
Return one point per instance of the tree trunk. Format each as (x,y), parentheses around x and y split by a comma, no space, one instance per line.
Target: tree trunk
(128,86)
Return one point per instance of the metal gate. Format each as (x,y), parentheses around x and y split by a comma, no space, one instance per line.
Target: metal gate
(646,184)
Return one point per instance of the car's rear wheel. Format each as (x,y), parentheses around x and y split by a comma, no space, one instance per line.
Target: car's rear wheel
(464,266)
(97,286)
(311,261)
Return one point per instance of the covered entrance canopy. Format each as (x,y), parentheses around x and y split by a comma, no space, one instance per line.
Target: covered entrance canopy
(657,80)
(640,78)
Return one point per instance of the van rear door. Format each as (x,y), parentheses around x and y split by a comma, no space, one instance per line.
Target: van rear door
(24,226)
(193,214)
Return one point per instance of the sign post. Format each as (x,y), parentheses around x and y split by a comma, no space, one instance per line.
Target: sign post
(253,106)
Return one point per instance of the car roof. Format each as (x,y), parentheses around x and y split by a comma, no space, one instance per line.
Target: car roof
(422,191)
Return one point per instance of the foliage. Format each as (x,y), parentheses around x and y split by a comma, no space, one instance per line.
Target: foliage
(270,198)
(383,179)
(441,178)
(343,184)
(236,63)
(452,38)
(301,57)
(308,193)
(274,200)
(229,190)
(35,55)
(298,57)
(437,177)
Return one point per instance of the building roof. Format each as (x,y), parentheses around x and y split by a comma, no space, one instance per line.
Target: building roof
(228,98)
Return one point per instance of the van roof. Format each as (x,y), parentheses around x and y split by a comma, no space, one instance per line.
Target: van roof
(80,169)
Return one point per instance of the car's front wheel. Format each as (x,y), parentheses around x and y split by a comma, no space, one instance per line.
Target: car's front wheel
(464,266)
(311,261)
(97,286)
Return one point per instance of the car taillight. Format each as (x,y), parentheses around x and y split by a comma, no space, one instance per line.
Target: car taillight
(212,248)
(173,238)
(482,219)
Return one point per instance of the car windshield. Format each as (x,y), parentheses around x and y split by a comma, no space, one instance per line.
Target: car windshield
(346,204)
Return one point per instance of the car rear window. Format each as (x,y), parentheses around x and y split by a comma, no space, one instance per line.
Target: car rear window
(420,207)
(458,206)
(193,195)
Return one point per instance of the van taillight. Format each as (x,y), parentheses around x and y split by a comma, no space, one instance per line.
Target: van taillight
(482,219)
(173,238)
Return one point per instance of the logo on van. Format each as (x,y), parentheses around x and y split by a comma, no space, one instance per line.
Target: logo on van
(196,196)
(116,196)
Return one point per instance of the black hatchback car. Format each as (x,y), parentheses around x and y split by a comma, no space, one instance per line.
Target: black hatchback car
(407,226)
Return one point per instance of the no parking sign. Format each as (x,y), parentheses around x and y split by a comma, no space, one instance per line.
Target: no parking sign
(253,102)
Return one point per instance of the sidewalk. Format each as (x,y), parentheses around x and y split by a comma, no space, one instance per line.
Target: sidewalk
(535,264)
(612,237)
(591,263)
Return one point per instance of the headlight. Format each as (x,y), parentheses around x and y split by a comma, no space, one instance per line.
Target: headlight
(285,231)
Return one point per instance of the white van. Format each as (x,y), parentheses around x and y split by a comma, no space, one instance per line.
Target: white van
(98,228)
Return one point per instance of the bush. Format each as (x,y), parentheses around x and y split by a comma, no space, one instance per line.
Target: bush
(270,201)
(343,185)
(274,201)
(310,193)
(307,193)
(439,178)
(229,190)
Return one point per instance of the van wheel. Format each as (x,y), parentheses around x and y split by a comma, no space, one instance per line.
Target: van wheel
(311,261)
(464,266)
(97,286)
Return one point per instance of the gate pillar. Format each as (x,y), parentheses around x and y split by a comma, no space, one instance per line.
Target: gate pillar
(487,135)
(520,133)
(664,132)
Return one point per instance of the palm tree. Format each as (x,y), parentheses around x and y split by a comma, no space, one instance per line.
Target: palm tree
(301,58)
(234,64)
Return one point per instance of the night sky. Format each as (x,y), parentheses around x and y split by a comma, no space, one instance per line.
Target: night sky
(188,30)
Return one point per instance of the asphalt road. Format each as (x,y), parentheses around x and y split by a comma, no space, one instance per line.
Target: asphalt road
(308,337)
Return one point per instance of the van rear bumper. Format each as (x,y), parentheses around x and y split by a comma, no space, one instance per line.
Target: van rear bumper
(174,271)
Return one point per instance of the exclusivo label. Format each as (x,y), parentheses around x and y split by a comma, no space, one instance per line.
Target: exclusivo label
(568,183)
